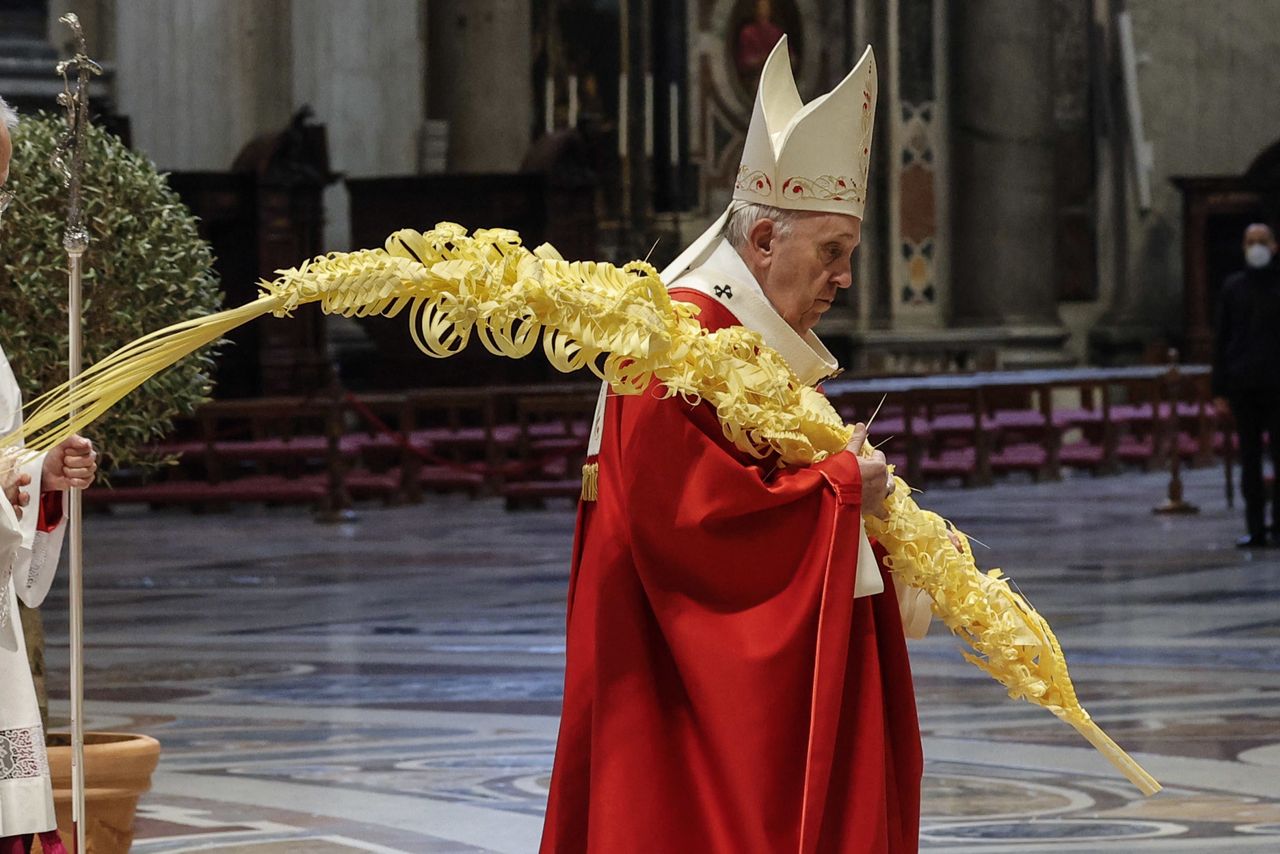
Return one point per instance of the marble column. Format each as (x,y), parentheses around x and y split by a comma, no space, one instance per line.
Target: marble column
(915,133)
(1004,214)
(480,73)
(361,67)
(200,78)
(1142,260)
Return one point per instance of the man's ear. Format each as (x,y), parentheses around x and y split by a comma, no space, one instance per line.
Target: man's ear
(760,241)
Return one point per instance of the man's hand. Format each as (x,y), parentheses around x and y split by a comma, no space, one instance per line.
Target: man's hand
(70,465)
(1223,406)
(876,485)
(12,481)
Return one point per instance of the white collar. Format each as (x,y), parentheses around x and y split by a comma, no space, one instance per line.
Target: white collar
(725,277)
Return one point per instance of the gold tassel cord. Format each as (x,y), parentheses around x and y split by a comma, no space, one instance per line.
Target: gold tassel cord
(620,324)
(591,482)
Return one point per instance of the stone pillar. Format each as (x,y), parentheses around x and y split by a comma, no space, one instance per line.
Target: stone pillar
(361,67)
(480,74)
(875,258)
(200,78)
(915,136)
(1004,209)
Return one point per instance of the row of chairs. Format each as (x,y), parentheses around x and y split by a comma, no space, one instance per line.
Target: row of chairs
(976,433)
(332,450)
(527,444)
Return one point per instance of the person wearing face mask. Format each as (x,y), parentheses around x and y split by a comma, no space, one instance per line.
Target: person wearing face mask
(1246,371)
(30,540)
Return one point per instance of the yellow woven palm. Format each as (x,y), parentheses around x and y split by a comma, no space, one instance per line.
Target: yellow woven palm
(620,324)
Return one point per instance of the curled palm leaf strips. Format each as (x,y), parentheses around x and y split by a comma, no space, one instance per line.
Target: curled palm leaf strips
(620,324)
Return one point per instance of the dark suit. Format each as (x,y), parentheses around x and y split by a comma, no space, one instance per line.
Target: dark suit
(1246,371)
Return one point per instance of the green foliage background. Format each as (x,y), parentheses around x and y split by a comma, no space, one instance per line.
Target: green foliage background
(146,268)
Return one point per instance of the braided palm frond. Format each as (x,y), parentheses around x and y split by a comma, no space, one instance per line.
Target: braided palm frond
(620,324)
(1009,639)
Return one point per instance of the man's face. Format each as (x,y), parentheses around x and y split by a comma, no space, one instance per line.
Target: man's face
(806,267)
(1259,235)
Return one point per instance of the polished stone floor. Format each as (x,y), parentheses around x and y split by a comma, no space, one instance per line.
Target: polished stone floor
(392,684)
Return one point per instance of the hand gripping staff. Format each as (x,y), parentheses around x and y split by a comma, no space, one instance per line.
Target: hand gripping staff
(619,323)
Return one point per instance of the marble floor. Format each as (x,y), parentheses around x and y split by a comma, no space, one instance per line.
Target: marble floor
(392,684)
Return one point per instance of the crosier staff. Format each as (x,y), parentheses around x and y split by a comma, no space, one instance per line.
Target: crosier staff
(68,158)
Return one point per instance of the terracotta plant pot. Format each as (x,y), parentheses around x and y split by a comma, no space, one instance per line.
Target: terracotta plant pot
(117,770)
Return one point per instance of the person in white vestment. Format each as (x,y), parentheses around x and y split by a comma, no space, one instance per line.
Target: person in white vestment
(30,542)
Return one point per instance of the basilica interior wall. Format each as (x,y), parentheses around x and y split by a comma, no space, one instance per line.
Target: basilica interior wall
(480,81)
(362,69)
(359,66)
(199,78)
(1206,76)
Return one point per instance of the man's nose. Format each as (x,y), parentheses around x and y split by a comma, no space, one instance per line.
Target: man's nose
(843,280)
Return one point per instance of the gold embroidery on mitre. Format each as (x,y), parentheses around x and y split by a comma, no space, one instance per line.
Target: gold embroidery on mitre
(753,181)
(831,188)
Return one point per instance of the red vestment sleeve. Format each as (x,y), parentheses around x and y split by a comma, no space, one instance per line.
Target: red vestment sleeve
(50,511)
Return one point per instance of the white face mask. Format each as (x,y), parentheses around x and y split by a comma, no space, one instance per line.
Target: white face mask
(1257,256)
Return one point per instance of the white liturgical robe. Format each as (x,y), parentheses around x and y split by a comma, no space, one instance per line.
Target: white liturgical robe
(28,560)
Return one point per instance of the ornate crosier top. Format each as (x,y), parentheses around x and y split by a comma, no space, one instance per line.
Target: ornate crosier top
(69,156)
(621,324)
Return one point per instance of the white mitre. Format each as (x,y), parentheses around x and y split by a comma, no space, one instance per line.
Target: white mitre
(806,157)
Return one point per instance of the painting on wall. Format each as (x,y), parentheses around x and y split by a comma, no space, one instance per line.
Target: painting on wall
(755,27)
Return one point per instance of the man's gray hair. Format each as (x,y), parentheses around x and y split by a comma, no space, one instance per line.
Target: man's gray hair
(8,115)
(738,229)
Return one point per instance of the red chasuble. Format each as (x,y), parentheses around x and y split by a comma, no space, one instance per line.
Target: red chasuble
(725,693)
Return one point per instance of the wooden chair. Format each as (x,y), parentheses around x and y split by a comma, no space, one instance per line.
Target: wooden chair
(553,430)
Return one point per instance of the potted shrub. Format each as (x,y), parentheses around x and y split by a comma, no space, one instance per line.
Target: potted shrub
(146,268)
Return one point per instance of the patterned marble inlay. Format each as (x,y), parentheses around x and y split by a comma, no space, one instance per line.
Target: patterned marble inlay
(393,685)
(918,203)
(1042,830)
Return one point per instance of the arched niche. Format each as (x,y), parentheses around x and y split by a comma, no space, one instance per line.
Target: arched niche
(1215,211)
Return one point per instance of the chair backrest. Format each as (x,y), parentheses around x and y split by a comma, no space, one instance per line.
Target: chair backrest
(265,417)
(452,408)
(570,411)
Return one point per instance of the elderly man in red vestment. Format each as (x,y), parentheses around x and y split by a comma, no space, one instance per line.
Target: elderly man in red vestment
(737,678)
